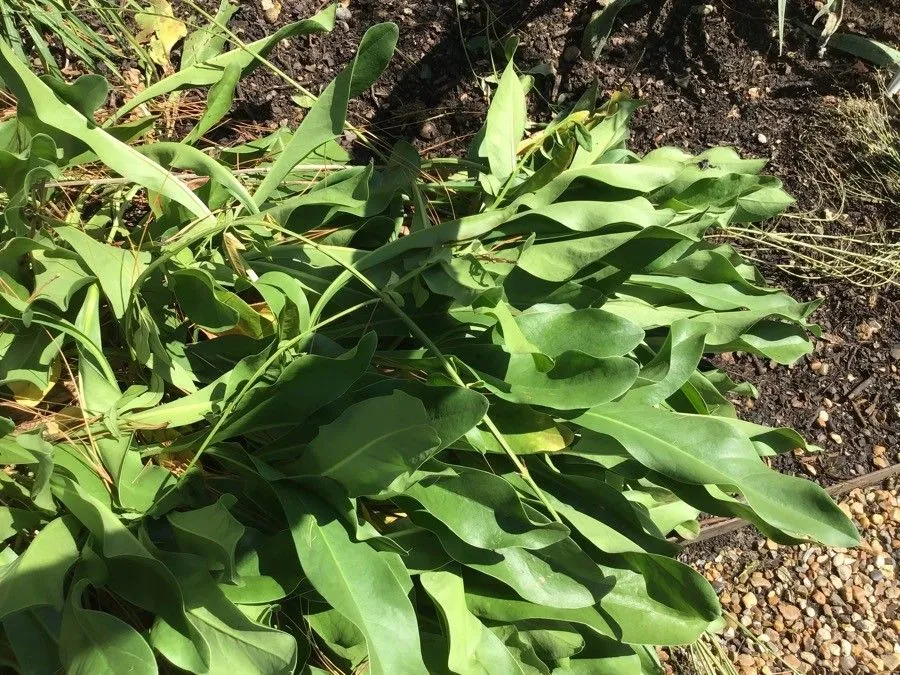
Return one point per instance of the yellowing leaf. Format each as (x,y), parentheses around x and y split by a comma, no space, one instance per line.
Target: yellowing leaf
(160,29)
(28,393)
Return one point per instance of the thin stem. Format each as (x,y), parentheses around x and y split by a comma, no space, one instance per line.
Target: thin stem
(277,354)
(448,367)
(260,171)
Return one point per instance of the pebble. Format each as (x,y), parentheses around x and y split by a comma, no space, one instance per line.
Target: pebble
(790,612)
(813,609)
(571,53)
(428,131)
(342,13)
(762,138)
(746,660)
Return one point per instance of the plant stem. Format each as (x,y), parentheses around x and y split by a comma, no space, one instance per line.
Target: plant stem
(448,368)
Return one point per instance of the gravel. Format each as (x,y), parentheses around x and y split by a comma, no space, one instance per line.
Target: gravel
(813,609)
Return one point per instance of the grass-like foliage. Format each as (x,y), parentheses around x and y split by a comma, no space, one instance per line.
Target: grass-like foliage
(419,416)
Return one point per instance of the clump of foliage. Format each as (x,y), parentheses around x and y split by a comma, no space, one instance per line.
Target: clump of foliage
(26,25)
(423,416)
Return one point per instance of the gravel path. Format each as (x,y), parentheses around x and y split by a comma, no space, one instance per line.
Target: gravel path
(816,610)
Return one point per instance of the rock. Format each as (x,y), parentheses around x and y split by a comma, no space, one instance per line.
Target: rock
(746,661)
(808,657)
(343,13)
(749,600)
(792,662)
(790,613)
(845,572)
(759,581)
(762,138)
(848,663)
(271,10)
(428,131)
(571,53)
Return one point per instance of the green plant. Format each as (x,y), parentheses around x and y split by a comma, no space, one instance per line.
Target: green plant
(426,416)
(29,24)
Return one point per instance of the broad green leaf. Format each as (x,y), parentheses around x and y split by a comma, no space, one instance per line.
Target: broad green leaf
(267,568)
(525,430)
(608,134)
(631,611)
(575,381)
(133,572)
(86,94)
(29,363)
(99,392)
(765,203)
(213,308)
(57,274)
(117,269)
(484,511)
(600,514)
(672,365)
(372,444)
(560,575)
(505,125)
(138,484)
(235,642)
(860,46)
(703,450)
(182,156)
(212,533)
(290,399)
(356,581)
(14,521)
(34,638)
(36,578)
(341,636)
(556,329)
(473,648)
(602,656)
(551,641)
(94,642)
(325,120)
